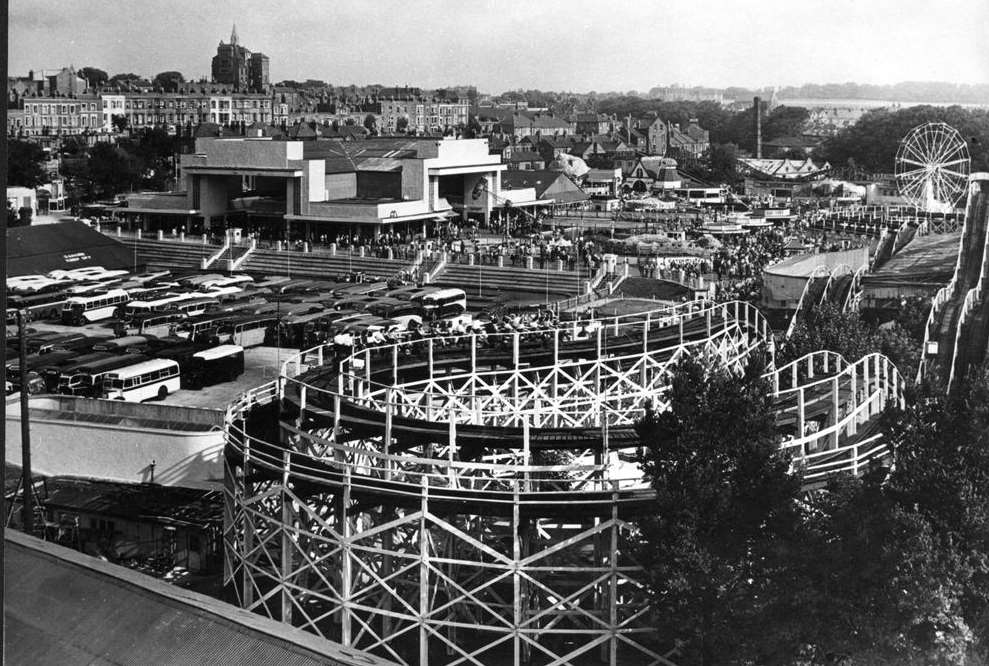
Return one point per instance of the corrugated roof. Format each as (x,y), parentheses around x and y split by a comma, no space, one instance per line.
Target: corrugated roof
(63,607)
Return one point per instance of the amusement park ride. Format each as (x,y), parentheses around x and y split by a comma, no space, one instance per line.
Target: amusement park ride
(473,499)
(398,500)
(932,166)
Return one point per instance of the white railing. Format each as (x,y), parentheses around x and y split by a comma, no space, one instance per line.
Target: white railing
(213,258)
(235,264)
(854,297)
(620,277)
(818,387)
(840,269)
(599,276)
(430,276)
(818,272)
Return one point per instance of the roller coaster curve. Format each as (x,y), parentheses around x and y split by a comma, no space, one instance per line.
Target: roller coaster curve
(403,500)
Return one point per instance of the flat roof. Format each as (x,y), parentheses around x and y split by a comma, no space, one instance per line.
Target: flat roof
(64,607)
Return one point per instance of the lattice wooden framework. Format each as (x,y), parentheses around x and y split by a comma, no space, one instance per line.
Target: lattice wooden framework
(429,551)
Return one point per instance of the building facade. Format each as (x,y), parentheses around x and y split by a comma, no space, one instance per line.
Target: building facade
(143,110)
(56,116)
(422,115)
(309,188)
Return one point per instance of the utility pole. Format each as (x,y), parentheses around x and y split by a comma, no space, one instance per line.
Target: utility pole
(27,493)
(3,306)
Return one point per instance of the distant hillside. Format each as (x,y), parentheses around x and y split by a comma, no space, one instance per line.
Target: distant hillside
(906,91)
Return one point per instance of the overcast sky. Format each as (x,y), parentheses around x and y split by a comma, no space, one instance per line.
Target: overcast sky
(577,45)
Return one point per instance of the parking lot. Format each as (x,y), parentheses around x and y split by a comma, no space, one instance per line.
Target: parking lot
(261,365)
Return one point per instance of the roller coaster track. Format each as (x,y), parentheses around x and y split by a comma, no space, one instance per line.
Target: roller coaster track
(950,341)
(810,297)
(972,332)
(473,499)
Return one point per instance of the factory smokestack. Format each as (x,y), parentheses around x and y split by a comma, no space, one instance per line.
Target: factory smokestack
(757,107)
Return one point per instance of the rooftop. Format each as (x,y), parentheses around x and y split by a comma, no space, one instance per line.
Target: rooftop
(64,607)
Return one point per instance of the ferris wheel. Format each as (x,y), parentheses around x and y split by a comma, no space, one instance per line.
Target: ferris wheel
(932,165)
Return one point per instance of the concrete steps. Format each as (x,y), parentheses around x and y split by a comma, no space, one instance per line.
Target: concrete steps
(320,265)
(559,284)
(168,254)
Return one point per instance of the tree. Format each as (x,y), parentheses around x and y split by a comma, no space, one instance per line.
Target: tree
(168,81)
(155,153)
(129,76)
(880,583)
(473,129)
(723,163)
(902,571)
(784,121)
(873,140)
(941,471)
(371,123)
(852,336)
(725,507)
(26,163)
(111,170)
(402,124)
(95,77)
(119,122)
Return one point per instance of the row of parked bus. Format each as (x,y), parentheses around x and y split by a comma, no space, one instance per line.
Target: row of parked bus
(165,317)
(133,368)
(94,295)
(277,311)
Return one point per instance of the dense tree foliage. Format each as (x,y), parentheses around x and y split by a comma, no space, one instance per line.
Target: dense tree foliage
(94,76)
(168,81)
(785,121)
(25,163)
(722,163)
(853,336)
(145,160)
(371,123)
(725,502)
(890,568)
(110,170)
(872,142)
(127,76)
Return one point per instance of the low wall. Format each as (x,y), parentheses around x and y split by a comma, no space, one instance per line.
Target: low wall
(137,447)
(783,282)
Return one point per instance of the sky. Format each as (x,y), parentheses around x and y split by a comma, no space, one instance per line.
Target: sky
(498,45)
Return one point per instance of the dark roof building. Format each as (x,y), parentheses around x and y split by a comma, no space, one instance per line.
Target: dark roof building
(66,245)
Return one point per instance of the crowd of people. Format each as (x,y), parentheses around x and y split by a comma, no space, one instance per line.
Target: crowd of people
(493,331)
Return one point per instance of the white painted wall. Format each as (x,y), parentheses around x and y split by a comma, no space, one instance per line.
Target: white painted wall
(116,453)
